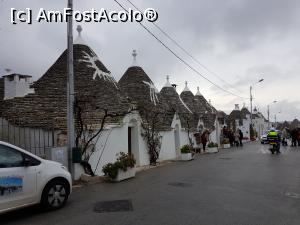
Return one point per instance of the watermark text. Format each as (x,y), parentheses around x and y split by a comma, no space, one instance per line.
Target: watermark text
(93,15)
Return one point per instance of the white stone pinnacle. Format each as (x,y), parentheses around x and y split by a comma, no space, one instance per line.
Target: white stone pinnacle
(79,40)
(168,84)
(198,92)
(134,55)
(186,87)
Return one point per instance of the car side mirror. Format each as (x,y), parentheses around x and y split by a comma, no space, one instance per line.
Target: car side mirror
(26,162)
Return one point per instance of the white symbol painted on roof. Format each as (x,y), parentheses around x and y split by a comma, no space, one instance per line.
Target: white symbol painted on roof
(91,60)
(153,92)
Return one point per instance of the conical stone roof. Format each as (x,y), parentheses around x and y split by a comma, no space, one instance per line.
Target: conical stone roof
(200,103)
(139,88)
(175,104)
(187,97)
(200,107)
(95,90)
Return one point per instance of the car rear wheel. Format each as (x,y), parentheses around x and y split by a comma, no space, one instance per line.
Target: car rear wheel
(55,195)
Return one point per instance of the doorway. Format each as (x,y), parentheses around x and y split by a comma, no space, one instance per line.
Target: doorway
(177,139)
(133,140)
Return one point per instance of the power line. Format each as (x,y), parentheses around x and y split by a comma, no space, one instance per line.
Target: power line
(179,58)
(186,51)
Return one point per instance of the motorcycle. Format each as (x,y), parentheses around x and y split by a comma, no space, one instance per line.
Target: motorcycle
(274,146)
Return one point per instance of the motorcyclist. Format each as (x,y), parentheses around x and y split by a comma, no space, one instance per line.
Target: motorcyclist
(273,136)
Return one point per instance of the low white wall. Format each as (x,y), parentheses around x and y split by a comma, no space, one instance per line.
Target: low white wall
(110,142)
(115,139)
(245,128)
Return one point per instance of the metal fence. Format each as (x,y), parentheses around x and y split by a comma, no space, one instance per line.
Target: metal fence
(34,140)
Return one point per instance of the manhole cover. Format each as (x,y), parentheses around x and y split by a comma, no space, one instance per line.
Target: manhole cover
(292,194)
(113,206)
(179,184)
(225,158)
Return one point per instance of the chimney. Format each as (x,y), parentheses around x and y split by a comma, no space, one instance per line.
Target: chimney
(236,106)
(17,85)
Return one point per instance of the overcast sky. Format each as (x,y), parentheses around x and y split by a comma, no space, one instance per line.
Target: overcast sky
(241,41)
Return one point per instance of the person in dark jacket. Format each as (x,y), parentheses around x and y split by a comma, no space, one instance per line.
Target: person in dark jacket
(294,135)
(298,136)
(204,139)
(241,136)
(231,137)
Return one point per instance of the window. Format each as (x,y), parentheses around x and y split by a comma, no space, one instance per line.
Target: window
(32,161)
(10,157)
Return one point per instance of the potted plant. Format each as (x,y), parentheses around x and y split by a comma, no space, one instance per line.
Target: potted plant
(212,147)
(186,153)
(226,143)
(122,169)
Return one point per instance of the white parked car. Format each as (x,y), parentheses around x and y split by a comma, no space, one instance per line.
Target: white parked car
(263,138)
(26,179)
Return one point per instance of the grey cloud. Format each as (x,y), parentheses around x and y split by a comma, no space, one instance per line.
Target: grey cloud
(217,30)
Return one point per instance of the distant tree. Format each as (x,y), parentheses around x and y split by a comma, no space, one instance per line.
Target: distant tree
(152,119)
(188,120)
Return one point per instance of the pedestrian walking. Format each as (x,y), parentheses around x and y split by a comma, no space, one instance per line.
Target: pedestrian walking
(231,137)
(294,135)
(204,139)
(298,136)
(241,136)
(284,136)
(236,138)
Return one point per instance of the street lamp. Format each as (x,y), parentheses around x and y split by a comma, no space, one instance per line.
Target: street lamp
(275,119)
(275,101)
(251,98)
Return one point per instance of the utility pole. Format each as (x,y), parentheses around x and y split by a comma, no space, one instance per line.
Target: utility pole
(268,117)
(70,91)
(251,98)
(275,101)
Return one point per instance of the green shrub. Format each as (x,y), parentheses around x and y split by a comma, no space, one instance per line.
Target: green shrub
(212,145)
(124,161)
(185,149)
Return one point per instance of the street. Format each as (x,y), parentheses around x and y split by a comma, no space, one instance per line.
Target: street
(238,186)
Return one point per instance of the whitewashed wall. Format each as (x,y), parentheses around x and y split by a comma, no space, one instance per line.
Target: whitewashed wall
(245,128)
(168,149)
(114,139)
(260,126)
(215,134)
(110,142)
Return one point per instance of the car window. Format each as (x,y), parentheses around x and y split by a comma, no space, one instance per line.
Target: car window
(33,161)
(10,157)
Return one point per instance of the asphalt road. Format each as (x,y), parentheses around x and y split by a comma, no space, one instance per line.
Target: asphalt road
(240,186)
